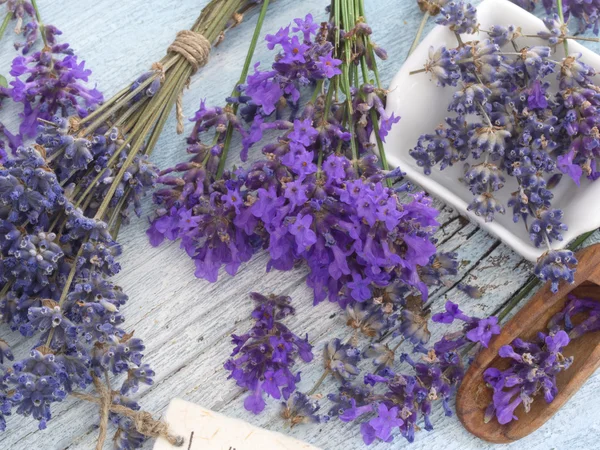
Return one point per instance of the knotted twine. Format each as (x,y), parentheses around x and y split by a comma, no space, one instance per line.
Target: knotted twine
(143,421)
(195,48)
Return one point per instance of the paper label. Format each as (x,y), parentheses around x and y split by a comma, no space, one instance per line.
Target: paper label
(204,429)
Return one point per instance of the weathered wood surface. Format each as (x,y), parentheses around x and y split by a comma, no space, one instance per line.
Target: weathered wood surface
(186,322)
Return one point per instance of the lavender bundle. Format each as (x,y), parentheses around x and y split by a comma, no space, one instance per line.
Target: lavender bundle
(61,204)
(319,195)
(534,364)
(55,275)
(56,266)
(506,122)
(113,141)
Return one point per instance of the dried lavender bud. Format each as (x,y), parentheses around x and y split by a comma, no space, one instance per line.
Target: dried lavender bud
(459,16)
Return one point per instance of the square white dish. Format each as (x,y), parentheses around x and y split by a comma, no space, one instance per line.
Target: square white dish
(422,106)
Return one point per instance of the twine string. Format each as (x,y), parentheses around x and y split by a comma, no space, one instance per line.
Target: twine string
(195,48)
(143,421)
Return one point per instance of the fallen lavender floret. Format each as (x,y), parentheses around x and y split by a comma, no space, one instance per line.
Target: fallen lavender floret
(263,358)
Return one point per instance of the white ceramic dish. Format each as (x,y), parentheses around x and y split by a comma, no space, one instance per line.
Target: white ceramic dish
(422,107)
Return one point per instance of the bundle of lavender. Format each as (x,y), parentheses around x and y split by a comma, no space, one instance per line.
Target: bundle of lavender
(319,195)
(61,204)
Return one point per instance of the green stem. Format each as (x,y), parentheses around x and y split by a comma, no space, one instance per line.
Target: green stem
(38,18)
(562,19)
(319,382)
(397,345)
(156,107)
(243,75)
(346,84)
(419,33)
(382,155)
(65,291)
(318,89)
(5,24)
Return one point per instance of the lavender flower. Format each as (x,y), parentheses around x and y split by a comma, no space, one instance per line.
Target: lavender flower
(300,409)
(475,330)
(265,355)
(534,364)
(459,16)
(556,265)
(341,360)
(52,84)
(532,370)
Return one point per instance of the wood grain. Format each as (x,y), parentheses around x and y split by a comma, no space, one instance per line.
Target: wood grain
(474,396)
(186,322)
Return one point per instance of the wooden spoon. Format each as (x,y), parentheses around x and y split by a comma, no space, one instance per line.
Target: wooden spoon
(474,396)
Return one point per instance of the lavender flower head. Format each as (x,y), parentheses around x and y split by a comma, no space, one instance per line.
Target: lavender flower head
(459,16)
(263,358)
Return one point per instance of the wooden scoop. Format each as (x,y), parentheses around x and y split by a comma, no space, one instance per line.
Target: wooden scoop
(474,396)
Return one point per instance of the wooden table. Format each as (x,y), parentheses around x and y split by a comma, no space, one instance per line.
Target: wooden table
(185,322)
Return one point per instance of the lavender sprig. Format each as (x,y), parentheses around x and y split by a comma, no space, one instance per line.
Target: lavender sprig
(263,358)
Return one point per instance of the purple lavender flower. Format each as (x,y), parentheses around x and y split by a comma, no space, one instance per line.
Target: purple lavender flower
(475,330)
(300,409)
(533,369)
(459,16)
(52,85)
(442,66)
(382,425)
(556,265)
(484,331)
(262,358)
(341,359)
